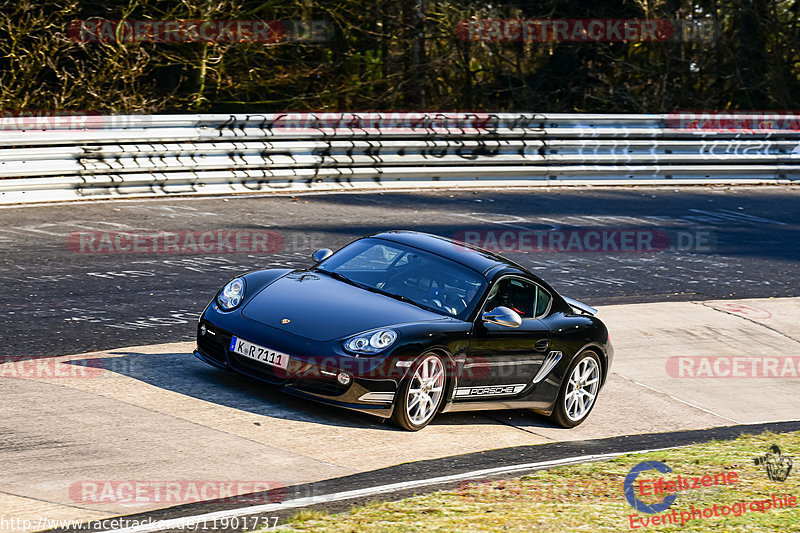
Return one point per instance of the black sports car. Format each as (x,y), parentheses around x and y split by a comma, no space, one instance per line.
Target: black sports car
(404,325)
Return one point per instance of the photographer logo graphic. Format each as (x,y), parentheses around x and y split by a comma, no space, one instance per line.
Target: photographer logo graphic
(630,493)
(777,465)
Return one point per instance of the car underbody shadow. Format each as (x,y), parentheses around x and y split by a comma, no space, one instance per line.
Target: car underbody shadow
(184,374)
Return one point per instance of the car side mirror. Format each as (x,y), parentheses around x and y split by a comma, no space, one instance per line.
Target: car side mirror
(503,316)
(321,255)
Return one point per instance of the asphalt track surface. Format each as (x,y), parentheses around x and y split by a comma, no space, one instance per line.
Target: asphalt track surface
(59,302)
(724,243)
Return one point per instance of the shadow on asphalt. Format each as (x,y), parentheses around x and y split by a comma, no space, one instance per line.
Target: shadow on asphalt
(184,374)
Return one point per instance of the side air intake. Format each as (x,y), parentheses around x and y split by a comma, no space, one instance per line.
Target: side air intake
(548,364)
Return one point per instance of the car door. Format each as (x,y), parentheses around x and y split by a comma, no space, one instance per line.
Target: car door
(502,362)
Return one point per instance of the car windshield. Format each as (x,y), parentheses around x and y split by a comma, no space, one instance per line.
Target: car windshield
(409,274)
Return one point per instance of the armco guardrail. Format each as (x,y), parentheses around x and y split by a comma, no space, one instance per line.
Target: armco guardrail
(68,158)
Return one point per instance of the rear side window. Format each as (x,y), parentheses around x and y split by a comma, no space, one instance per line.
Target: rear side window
(542,301)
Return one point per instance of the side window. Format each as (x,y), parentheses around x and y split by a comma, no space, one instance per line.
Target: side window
(542,301)
(515,294)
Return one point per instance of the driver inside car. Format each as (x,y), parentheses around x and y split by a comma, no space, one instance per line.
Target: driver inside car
(513,294)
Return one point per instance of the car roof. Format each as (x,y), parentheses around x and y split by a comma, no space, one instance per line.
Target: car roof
(476,258)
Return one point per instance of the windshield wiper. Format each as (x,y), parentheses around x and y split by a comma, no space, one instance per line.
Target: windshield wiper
(400,297)
(336,275)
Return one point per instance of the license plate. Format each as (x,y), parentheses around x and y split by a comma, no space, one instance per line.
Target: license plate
(259,353)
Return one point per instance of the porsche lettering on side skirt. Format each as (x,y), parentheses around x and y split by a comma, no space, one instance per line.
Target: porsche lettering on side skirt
(498,390)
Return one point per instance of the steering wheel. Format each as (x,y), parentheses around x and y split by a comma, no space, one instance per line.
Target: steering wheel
(397,280)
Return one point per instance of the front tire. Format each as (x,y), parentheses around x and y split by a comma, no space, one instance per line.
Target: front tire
(579,391)
(421,393)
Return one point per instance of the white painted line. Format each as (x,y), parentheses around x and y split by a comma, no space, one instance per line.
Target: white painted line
(190,521)
(683,401)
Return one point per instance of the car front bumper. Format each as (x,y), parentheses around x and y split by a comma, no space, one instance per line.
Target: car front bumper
(369,389)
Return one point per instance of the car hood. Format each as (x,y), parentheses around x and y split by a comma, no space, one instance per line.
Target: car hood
(318,307)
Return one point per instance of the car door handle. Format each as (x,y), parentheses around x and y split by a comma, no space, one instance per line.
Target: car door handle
(541,345)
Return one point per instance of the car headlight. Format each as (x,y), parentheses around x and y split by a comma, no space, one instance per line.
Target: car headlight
(371,341)
(231,294)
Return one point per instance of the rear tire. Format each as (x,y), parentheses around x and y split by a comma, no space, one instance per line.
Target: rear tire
(579,391)
(421,393)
